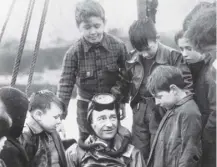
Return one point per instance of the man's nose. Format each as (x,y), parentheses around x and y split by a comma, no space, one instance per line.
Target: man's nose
(108,123)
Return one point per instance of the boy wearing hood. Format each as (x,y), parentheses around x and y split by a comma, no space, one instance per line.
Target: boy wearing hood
(15,103)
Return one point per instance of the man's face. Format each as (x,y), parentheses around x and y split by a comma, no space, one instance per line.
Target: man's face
(2,142)
(51,118)
(165,99)
(151,50)
(5,120)
(5,124)
(92,29)
(190,55)
(105,123)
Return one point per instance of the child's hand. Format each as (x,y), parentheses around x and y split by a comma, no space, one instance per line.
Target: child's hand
(122,111)
(61,131)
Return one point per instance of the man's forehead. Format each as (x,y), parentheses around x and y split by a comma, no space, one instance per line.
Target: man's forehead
(105,112)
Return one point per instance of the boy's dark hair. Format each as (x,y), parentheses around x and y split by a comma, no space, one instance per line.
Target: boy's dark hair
(162,77)
(140,32)
(42,100)
(178,36)
(202,29)
(86,9)
(16,106)
(199,8)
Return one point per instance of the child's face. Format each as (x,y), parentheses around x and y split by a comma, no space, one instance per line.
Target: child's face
(150,50)
(92,29)
(165,99)
(190,55)
(51,118)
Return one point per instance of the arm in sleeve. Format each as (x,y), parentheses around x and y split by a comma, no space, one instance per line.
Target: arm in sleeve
(11,157)
(191,140)
(68,77)
(28,142)
(124,83)
(72,156)
(178,61)
(137,159)
(141,137)
(209,132)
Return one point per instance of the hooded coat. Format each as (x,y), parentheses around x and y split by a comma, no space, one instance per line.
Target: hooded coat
(16,104)
(77,157)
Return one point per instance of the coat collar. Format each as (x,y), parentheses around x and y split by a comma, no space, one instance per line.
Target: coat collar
(117,144)
(184,100)
(96,155)
(59,147)
(117,141)
(33,125)
(160,57)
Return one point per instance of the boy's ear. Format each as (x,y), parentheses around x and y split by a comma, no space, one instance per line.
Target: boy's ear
(37,114)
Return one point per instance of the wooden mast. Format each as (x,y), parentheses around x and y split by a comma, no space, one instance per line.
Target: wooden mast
(141,9)
(147,8)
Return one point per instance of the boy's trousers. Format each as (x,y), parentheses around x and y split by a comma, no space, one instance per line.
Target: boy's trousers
(146,119)
(84,129)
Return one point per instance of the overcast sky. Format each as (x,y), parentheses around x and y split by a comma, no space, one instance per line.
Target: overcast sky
(60,22)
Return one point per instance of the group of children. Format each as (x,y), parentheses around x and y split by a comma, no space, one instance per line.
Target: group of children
(35,143)
(172,94)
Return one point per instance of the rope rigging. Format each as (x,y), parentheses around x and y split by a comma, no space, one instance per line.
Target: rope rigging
(145,8)
(37,45)
(7,19)
(22,42)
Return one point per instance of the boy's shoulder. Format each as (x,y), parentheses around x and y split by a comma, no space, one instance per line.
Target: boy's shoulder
(189,108)
(109,39)
(75,47)
(112,39)
(166,47)
(165,50)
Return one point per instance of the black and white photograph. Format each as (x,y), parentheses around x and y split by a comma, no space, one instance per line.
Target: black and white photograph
(108,83)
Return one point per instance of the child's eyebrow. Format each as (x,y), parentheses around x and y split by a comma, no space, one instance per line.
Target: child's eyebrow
(57,115)
(102,116)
